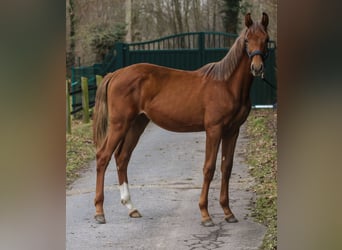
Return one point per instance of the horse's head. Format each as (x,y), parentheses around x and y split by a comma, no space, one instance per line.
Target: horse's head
(256,39)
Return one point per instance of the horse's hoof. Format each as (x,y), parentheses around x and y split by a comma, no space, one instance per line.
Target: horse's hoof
(100,218)
(208,223)
(230,218)
(135,214)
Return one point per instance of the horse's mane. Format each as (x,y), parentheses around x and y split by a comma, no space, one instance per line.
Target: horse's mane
(223,69)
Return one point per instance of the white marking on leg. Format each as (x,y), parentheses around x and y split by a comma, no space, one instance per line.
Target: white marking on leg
(125,196)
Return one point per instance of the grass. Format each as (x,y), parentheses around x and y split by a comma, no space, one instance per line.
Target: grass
(79,149)
(262,157)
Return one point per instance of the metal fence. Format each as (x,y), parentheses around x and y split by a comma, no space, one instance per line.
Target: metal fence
(187,51)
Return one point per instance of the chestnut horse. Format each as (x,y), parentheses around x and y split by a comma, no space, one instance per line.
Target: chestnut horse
(214,99)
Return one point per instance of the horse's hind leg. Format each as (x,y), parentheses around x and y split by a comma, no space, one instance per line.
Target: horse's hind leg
(116,132)
(123,155)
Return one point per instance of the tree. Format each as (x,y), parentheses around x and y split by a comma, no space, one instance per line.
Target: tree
(103,38)
(70,27)
(94,25)
(129,20)
(230,12)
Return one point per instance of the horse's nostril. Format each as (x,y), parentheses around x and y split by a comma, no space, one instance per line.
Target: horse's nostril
(257,68)
(262,67)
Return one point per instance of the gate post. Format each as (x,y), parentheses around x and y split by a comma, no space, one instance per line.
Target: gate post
(68,115)
(98,80)
(85,99)
(201,47)
(121,53)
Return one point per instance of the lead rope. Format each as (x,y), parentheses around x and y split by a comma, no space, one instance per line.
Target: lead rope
(266,81)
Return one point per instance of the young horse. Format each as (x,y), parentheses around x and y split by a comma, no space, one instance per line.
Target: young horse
(214,99)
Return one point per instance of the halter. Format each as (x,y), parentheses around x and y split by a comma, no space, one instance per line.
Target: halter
(256,52)
(264,56)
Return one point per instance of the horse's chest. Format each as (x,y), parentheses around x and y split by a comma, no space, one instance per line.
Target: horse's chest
(238,117)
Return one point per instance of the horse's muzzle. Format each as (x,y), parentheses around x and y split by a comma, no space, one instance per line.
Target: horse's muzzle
(257,70)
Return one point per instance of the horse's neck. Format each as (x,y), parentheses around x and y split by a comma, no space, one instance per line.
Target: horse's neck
(241,81)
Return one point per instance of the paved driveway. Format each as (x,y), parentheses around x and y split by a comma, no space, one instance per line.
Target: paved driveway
(165,175)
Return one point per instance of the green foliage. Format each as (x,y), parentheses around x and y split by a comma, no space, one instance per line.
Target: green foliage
(230,10)
(103,38)
(262,157)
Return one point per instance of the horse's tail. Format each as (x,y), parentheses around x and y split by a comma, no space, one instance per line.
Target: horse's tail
(100,121)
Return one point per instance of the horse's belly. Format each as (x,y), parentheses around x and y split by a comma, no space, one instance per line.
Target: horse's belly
(176,121)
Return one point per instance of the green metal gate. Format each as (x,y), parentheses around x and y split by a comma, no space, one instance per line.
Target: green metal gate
(190,51)
(187,51)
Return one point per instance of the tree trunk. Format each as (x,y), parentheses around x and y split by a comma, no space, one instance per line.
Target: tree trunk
(128,20)
(230,12)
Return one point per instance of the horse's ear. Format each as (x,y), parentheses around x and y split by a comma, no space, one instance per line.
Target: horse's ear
(264,20)
(248,20)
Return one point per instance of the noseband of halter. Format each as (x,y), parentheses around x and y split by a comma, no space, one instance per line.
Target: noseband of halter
(256,52)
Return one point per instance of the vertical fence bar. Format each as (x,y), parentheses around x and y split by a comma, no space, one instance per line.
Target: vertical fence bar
(201,47)
(120,55)
(68,109)
(98,80)
(85,99)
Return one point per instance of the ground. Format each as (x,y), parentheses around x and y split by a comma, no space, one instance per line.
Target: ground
(165,177)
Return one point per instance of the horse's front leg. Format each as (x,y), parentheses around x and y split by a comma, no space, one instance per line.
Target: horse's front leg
(212,144)
(228,148)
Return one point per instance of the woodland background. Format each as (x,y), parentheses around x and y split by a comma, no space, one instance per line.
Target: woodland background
(93,26)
